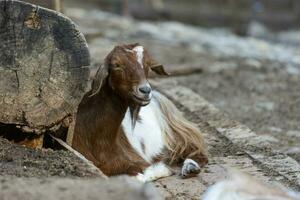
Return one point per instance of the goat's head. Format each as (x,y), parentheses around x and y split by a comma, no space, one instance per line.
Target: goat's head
(126,69)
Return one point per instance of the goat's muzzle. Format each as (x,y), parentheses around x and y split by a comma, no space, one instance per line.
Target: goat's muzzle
(143,94)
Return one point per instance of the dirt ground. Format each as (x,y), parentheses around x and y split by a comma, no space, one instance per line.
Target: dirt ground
(19,161)
(266,100)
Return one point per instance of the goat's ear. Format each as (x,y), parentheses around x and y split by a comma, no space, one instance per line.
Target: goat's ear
(159,69)
(98,79)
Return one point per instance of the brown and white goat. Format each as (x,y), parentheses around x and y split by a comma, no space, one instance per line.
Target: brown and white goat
(126,128)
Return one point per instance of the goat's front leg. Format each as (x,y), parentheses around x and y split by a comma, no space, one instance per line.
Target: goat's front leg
(122,167)
(120,164)
(154,172)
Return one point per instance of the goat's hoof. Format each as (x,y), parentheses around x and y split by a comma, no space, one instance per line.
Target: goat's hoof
(190,169)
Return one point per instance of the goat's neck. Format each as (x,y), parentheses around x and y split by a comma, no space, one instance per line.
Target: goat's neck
(105,112)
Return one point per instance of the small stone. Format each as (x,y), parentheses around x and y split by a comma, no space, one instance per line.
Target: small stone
(293,150)
(292,70)
(274,129)
(266,105)
(240,153)
(279,178)
(253,63)
(293,133)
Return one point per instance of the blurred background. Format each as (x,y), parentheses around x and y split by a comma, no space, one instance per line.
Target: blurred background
(240,55)
(237,15)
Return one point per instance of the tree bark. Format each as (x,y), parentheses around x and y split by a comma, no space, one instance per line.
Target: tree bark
(50,4)
(44,63)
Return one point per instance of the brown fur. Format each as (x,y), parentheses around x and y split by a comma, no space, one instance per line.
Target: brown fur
(98,134)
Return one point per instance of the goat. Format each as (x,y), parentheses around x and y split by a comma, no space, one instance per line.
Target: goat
(126,128)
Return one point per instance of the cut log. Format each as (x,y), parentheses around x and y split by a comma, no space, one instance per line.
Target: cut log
(51,4)
(44,70)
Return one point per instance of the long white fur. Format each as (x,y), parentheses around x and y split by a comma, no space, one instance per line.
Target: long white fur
(154,172)
(139,54)
(148,131)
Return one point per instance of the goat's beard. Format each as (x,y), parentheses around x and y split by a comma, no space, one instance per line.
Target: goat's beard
(134,113)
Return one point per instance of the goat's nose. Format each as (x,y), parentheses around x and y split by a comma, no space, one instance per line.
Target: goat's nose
(145,89)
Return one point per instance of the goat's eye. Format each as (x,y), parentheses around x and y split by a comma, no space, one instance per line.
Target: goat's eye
(119,72)
(117,69)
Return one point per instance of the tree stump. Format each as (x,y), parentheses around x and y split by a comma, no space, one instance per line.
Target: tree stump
(44,63)
(51,4)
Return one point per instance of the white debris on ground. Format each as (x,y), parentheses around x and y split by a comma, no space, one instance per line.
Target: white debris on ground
(218,42)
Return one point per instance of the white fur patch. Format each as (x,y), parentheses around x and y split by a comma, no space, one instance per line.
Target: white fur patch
(139,54)
(147,131)
(154,172)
